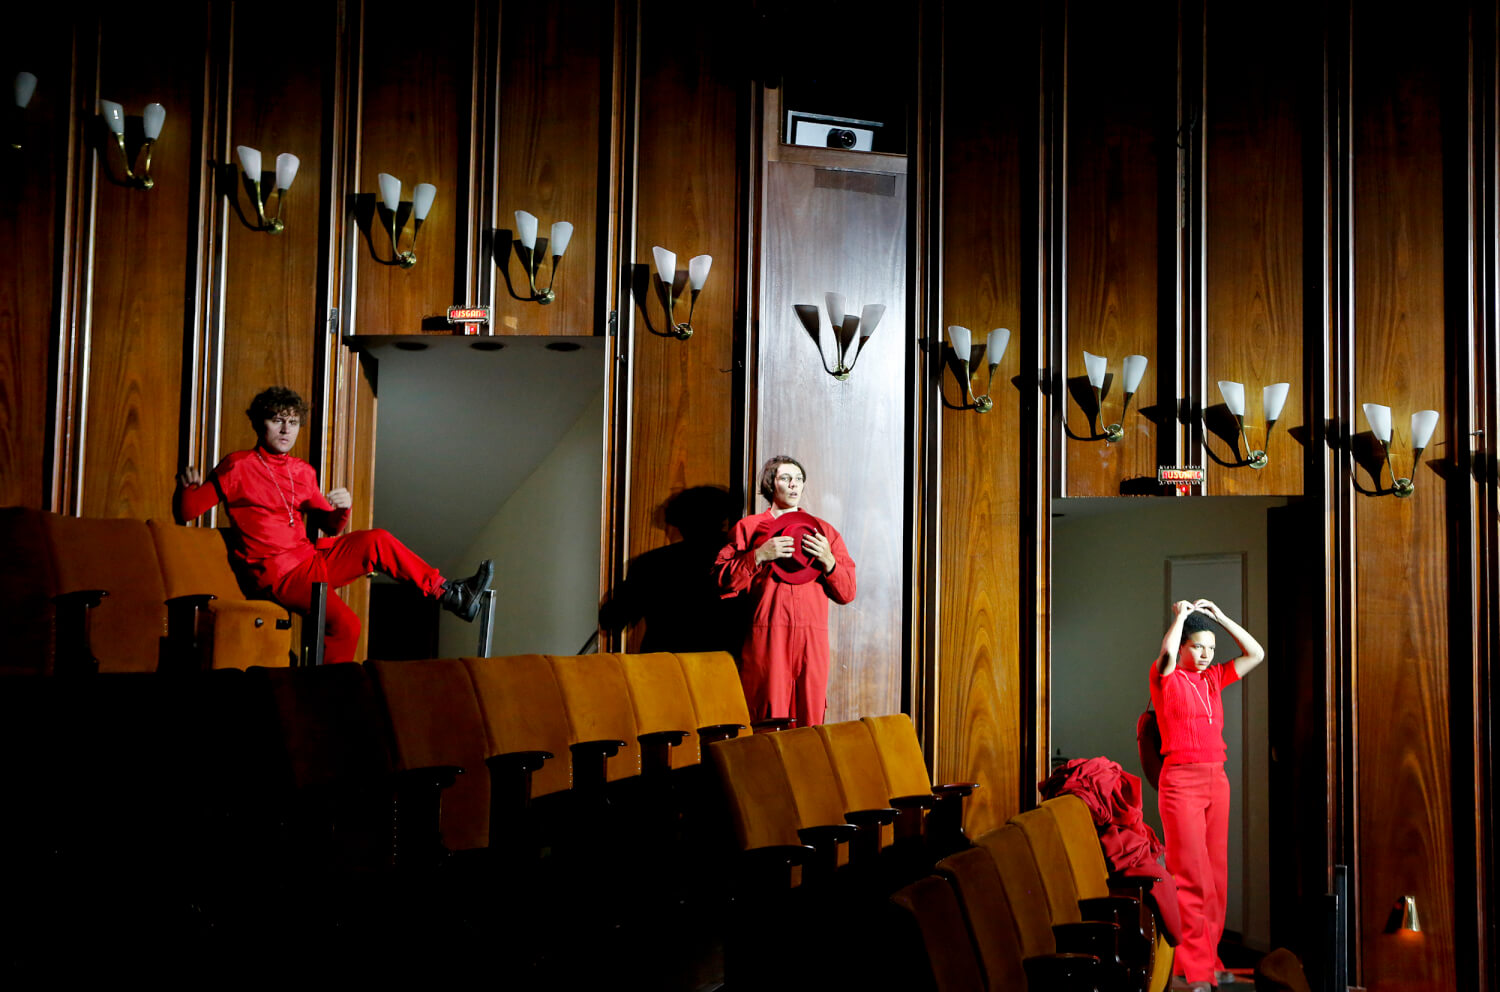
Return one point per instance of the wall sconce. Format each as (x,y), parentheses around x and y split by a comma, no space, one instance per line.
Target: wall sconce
(846,327)
(152,119)
(1272,399)
(1423,422)
(1409,919)
(562,233)
(666,271)
(286,171)
(25,87)
(422,195)
(1135,367)
(959,339)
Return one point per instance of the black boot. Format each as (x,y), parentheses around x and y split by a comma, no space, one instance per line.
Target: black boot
(461,598)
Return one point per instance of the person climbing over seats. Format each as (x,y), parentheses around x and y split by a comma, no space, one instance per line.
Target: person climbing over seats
(267,493)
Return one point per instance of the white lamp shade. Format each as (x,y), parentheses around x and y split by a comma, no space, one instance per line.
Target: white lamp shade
(1234,396)
(996,344)
(114,115)
(286,169)
(390,191)
(869,318)
(1379,419)
(25,86)
(152,119)
(961,341)
(835,304)
(666,264)
(1273,399)
(422,195)
(1423,423)
(249,161)
(526,229)
(698,267)
(1135,368)
(562,233)
(1093,365)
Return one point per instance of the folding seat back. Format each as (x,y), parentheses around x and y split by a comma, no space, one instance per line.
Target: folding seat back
(757,790)
(435,721)
(662,703)
(900,754)
(127,629)
(933,907)
(523,711)
(1053,863)
(815,791)
(231,631)
(597,701)
(1081,839)
(714,686)
(1024,891)
(856,767)
(990,921)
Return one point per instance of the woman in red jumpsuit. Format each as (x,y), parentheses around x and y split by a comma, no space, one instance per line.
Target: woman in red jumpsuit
(791,564)
(1193,793)
(266,492)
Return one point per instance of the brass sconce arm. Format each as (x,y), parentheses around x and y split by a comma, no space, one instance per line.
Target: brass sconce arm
(1423,423)
(152,118)
(666,272)
(526,231)
(286,171)
(960,339)
(1134,370)
(1273,398)
(422,195)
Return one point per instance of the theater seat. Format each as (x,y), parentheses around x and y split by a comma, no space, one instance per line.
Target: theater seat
(719,697)
(856,766)
(127,630)
(602,732)
(526,727)
(663,710)
(906,774)
(210,622)
(821,817)
(947,951)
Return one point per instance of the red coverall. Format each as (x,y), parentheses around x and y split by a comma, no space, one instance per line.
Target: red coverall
(265,498)
(784,661)
(1193,796)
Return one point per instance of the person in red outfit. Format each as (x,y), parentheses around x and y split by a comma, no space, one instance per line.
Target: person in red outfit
(1193,793)
(791,564)
(266,493)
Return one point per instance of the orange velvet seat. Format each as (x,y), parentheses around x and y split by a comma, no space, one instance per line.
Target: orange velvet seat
(128,628)
(602,731)
(948,953)
(663,708)
(718,696)
(856,767)
(906,775)
(523,712)
(759,795)
(821,818)
(228,630)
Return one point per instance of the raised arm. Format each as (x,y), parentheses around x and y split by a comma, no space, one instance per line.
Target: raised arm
(191,499)
(1166,662)
(1252,653)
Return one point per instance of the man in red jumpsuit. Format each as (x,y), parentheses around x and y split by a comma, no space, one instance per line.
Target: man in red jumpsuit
(266,492)
(791,564)
(1193,794)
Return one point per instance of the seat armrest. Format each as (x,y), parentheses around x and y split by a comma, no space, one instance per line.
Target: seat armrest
(765,870)
(1064,972)
(902,803)
(184,650)
(591,766)
(1136,885)
(825,840)
(419,805)
(718,732)
(656,750)
(866,847)
(510,779)
(1090,937)
(775,723)
(75,652)
(961,790)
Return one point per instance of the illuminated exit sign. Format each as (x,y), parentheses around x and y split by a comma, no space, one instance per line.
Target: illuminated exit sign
(1182,476)
(468,319)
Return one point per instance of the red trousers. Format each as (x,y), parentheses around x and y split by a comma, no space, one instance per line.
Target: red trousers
(1194,804)
(338,562)
(784,671)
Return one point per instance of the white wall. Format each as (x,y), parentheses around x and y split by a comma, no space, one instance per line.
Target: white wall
(544,540)
(1109,609)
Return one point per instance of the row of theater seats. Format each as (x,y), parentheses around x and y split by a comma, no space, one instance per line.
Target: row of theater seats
(1031,906)
(82,594)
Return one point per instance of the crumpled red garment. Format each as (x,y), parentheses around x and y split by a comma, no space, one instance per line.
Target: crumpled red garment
(1113,797)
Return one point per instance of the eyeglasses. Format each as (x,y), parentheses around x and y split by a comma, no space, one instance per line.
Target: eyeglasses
(791,478)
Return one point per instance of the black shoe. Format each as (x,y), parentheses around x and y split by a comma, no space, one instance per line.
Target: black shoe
(461,598)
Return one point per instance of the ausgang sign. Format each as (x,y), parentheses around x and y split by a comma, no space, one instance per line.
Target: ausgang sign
(468,319)
(1182,476)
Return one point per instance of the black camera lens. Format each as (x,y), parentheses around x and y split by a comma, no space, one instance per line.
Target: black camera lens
(840,137)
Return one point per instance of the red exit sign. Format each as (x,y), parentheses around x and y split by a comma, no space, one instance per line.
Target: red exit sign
(468,315)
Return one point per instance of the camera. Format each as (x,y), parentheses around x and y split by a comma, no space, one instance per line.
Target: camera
(841,137)
(822,130)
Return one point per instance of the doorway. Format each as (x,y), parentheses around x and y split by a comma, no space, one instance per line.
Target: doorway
(1116,563)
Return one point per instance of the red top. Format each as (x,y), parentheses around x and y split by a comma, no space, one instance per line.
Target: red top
(1190,712)
(265,495)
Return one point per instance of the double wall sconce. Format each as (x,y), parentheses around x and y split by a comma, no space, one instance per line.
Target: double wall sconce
(666,271)
(286,171)
(422,195)
(1423,423)
(1272,399)
(152,119)
(960,340)
(526,228)
(847,327)
(1135,368)
(25,86)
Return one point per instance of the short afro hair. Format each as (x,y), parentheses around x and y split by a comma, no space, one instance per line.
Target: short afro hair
(768,475)
(269,402)
(1197,623)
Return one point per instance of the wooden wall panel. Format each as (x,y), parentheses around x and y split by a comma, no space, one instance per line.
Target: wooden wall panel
(31,204)
(1254,240)
(415,102)
(1403,804)
(1120,236)
(552,86)
(689,201)
(143,249)
(979,722)
(273,323)
(849,435)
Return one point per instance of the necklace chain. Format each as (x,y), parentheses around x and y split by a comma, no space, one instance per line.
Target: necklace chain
(291,515)
(1206,708)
